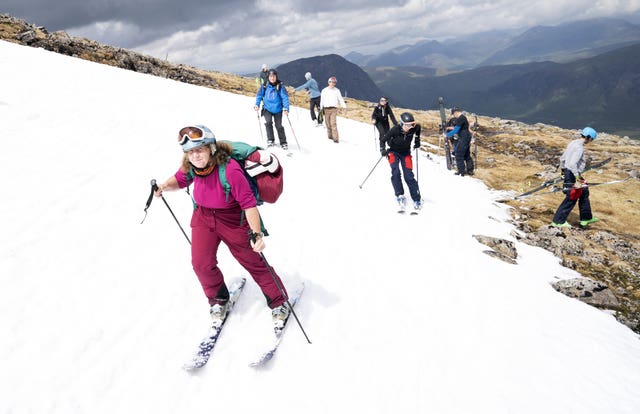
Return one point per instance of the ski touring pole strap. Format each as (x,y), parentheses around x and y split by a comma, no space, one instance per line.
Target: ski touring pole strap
(154,187)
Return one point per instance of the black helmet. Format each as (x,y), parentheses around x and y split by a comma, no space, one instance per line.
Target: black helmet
(273,72)
(407,117)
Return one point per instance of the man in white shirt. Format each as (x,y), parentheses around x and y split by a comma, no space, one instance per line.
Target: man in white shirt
(330,98)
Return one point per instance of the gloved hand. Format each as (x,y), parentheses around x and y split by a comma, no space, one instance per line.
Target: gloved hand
(575,193)
(416,146)
(384,151)
(257,242)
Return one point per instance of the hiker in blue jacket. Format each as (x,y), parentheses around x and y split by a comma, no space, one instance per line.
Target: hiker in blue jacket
(314,96)
(462,150)
(275,99)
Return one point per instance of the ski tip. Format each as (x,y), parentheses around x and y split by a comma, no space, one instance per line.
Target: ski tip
(192,366)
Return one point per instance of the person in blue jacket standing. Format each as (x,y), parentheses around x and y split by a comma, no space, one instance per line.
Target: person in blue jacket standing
(462,151)
(275,100)
(314,96)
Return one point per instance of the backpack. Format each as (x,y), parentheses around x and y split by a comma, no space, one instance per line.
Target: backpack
(262,169)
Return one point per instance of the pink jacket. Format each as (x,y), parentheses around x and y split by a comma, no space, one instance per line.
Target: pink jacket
(208,191)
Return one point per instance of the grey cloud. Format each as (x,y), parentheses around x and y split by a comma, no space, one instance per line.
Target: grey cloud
(238,34)
(153,15)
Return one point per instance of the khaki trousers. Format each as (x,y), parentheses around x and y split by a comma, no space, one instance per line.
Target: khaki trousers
(330,115)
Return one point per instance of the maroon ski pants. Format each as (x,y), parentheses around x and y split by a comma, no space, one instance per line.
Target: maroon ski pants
(209,227)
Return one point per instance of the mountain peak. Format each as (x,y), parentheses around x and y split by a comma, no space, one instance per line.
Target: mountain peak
(352,80)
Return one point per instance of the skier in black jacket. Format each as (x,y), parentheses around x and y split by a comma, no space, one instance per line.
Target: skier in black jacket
(400,139)
(380,117)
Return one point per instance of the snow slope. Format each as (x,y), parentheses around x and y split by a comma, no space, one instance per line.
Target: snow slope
(406,313)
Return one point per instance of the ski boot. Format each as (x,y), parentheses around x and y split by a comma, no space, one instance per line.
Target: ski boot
(279,314)
(402,202)
(218,312)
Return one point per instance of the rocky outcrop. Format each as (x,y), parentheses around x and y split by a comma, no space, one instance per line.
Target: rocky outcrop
(502,249)
(588,291)
(612,263)
(24,33)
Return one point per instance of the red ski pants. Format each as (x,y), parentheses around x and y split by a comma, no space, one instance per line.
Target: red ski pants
(209,227)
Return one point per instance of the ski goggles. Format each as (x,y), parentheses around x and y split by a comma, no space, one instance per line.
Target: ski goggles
(409,125)
(190,133)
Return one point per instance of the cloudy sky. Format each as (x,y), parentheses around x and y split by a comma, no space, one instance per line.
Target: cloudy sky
(239,35)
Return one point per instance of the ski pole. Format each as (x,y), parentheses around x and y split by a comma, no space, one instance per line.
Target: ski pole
(417,163)
(374,167)
(375,137)
(294,132)
(154,188)
(260,126)
(275,279)
(475,143)
(293,95)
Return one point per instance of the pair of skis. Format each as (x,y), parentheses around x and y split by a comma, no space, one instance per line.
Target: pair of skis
(559,179)
(447,146)
(203,353)
(558,189)
(402,209)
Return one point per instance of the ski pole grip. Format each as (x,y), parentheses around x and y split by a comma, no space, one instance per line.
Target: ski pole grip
(154,186)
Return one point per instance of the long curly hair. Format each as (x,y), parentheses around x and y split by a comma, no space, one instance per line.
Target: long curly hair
(220,154)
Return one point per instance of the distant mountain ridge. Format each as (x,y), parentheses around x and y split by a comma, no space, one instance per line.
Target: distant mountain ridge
(561,43)
(562,75)
(567,42)
(458,54)
(602,91)
(353,81)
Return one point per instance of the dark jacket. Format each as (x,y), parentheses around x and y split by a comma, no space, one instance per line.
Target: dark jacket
(264,78)
(460,127)
(400,141)
(381,113)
